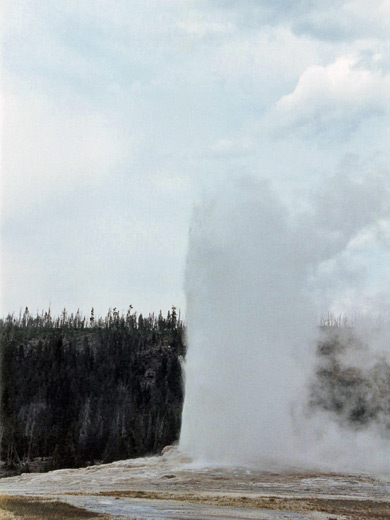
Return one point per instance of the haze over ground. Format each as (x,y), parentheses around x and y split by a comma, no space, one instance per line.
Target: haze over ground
(119,116)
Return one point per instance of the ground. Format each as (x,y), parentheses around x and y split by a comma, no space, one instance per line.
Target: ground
(172,487)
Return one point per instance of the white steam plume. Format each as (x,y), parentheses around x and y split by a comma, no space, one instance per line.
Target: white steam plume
(253,307)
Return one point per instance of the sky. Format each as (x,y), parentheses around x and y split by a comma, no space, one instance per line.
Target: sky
(119,116)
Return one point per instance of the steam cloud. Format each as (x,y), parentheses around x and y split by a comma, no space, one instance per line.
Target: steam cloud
(259,275)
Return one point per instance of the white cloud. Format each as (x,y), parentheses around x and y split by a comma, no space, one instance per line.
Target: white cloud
(48,149)
(369,18)
(118,112)
(196,24)
(261,57)
(328,20)
(334,98)
(369,237)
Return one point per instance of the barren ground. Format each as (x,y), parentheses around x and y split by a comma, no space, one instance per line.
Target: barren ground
(170,487)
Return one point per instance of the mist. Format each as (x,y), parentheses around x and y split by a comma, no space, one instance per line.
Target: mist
(260,274)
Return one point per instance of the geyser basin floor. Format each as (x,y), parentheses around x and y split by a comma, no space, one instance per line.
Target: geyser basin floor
(169,487)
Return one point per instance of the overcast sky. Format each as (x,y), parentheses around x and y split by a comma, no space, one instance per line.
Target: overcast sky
(119,114)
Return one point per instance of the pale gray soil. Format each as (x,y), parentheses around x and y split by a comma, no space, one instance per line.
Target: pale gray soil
(171,487)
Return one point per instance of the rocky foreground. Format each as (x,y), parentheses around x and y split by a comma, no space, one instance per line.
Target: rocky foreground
(172,487)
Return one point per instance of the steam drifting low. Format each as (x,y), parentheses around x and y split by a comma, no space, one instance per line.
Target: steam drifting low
(259,276)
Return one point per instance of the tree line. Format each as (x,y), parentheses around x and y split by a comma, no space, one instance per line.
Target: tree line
(354,393)
(77,390)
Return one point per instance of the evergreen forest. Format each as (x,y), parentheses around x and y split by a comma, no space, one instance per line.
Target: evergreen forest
(77,391)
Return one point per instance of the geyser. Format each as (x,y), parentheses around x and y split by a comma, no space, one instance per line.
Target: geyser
(258,278)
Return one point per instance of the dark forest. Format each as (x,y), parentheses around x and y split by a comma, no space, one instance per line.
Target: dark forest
(77,390)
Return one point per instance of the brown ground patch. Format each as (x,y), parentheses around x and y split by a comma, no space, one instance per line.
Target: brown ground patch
(15,508)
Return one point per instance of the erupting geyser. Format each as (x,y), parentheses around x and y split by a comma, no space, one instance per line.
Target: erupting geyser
(258,277)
